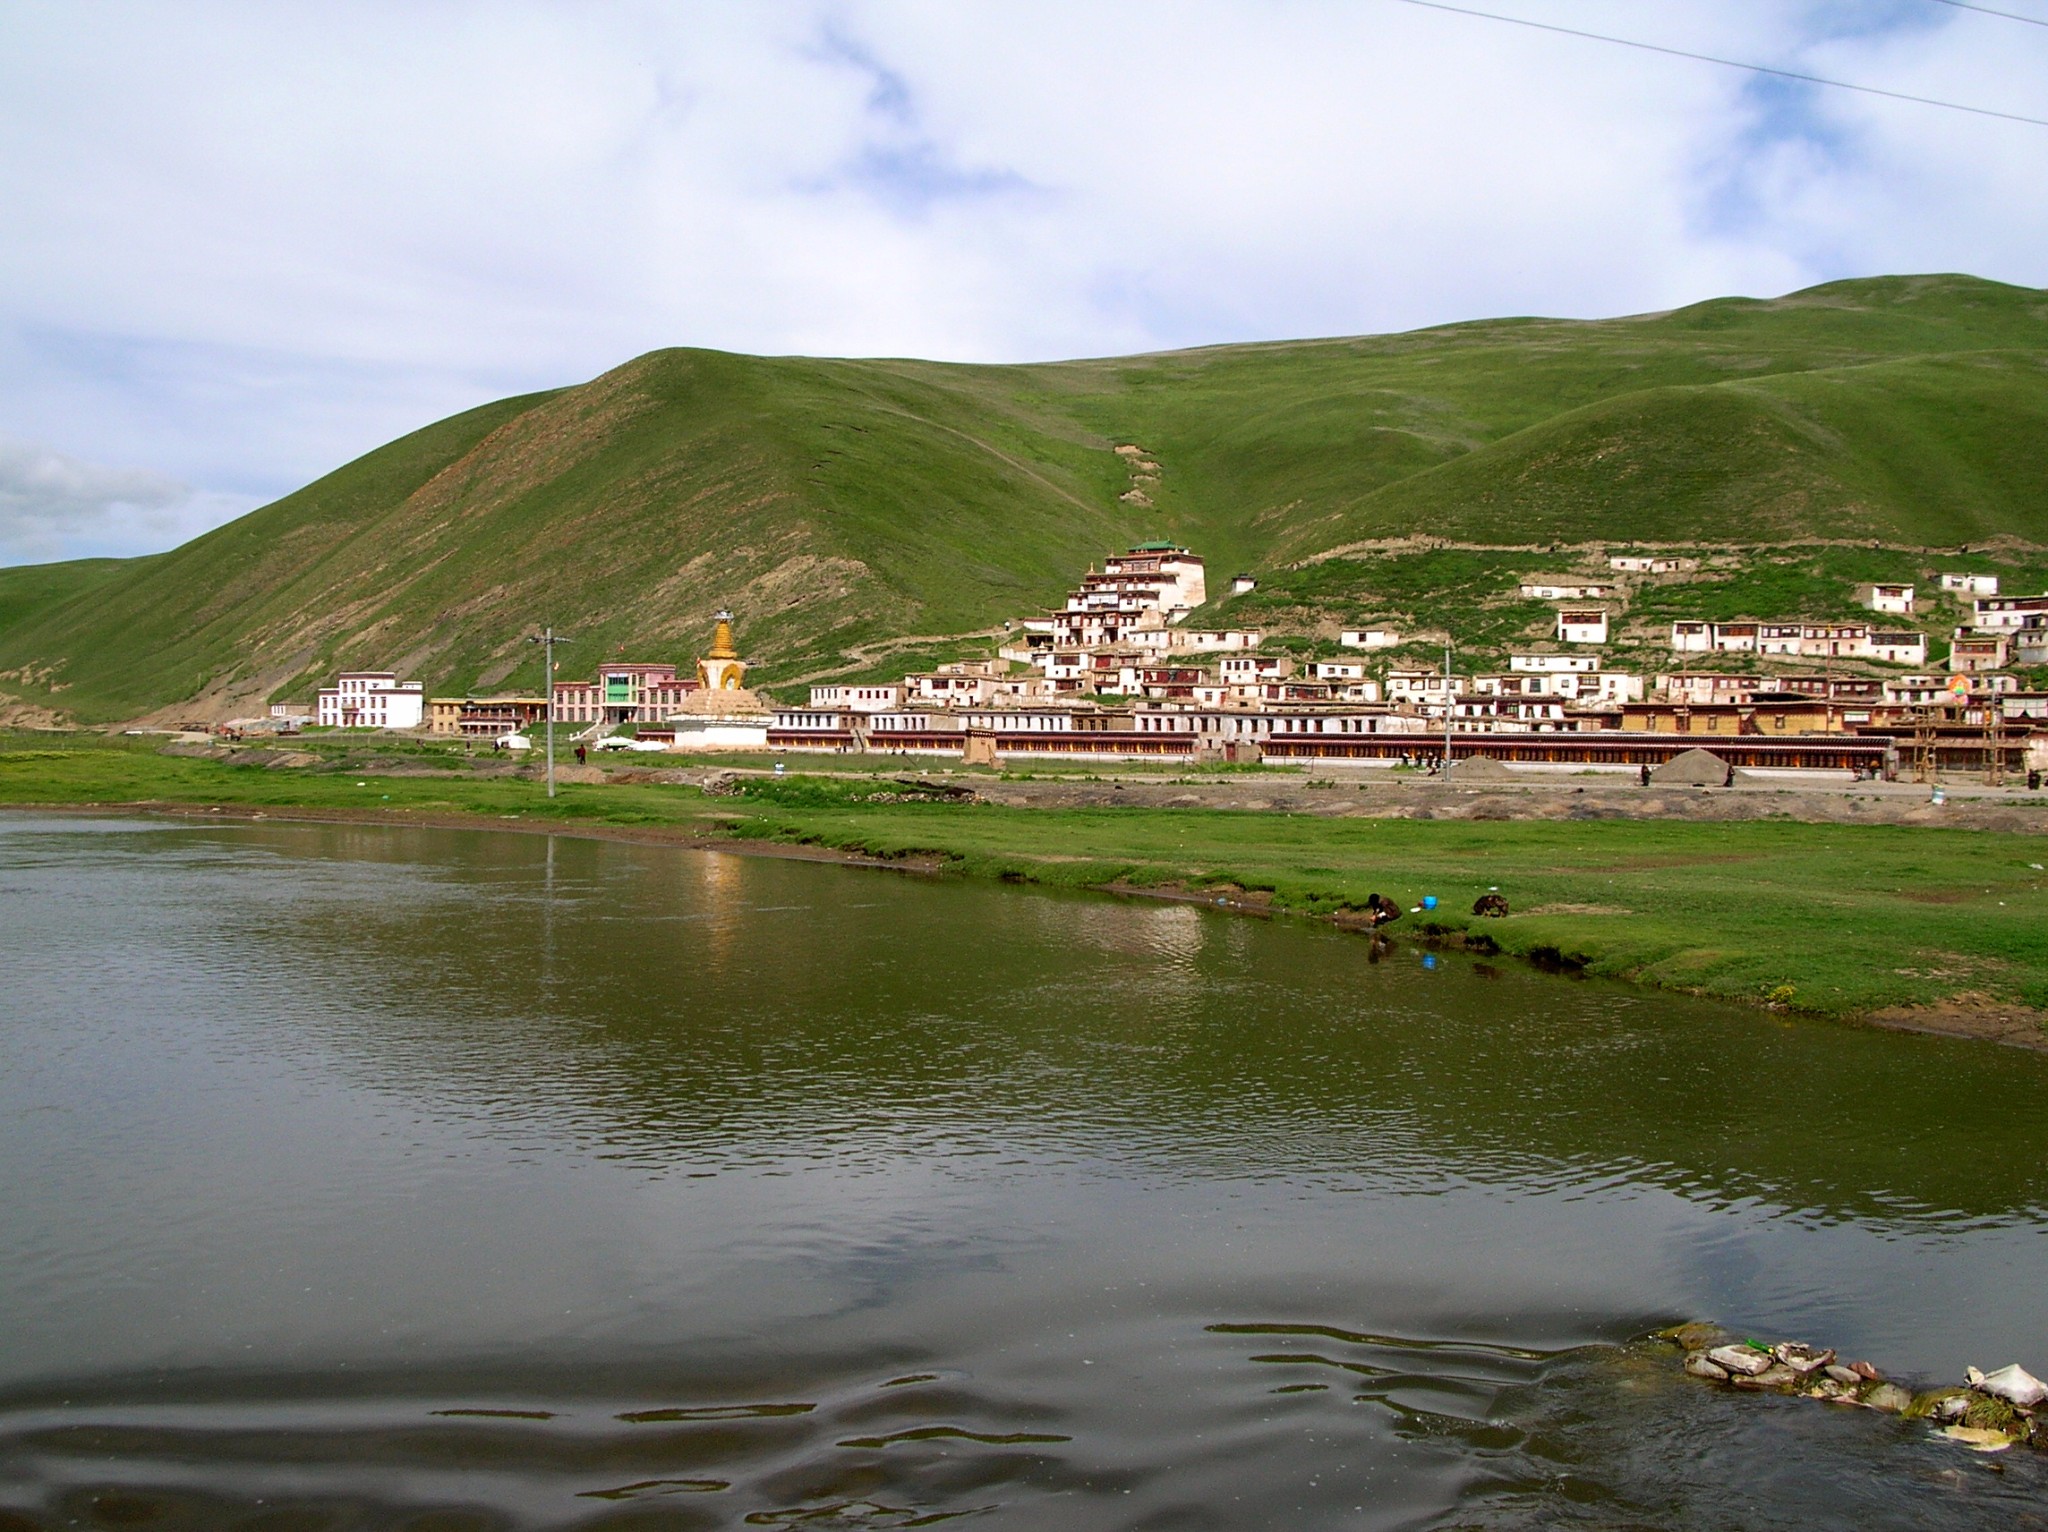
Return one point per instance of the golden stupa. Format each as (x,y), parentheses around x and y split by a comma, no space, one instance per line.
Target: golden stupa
(722,670)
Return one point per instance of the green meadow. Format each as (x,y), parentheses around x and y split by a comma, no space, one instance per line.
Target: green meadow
(1827,919)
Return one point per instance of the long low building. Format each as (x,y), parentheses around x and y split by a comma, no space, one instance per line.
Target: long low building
(1612,747)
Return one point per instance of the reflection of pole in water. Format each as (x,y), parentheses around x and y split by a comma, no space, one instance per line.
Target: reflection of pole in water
(547,920)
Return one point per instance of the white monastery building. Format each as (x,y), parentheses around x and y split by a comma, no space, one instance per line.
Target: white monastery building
(371,699)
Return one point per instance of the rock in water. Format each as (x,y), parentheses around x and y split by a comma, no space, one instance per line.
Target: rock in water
(1699,1366)
(1978,1441)
(1777,1375)
(1741,1359)
(1801,1358)
(1845,1376)
(1698,1335)
(2012,1383)
(1888,1397)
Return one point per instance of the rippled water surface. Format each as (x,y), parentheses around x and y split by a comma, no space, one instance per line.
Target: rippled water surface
(364,1178)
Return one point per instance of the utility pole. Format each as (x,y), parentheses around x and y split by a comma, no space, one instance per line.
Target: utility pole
(1447,710)
(547,639)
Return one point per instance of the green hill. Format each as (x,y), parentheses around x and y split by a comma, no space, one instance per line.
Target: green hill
(858,515)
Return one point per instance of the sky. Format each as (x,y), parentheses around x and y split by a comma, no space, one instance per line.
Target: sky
(241,244)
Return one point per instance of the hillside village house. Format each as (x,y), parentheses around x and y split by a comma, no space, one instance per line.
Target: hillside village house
(1651,563)
(1898,648)
(1998,613)
(370,699)
(1369,638)
(1423,686)
(1969,653)
(1897,599)
(1695,686)
(1831,640)
(1582,625)
(1565,588)
(1551,664)
(1970,584)
(1586,687)
(1737,637)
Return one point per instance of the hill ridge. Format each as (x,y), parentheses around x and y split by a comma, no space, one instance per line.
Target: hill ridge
(841,504)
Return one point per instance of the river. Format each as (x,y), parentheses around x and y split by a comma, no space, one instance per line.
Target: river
(362,1177)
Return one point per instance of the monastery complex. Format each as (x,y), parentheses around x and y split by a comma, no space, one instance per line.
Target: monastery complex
(1120,672)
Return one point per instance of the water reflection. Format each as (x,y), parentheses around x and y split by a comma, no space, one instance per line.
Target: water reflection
(553,1182)
(799,1004)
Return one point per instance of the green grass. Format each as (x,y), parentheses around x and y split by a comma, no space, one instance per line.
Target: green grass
(838,506)
(1828,919)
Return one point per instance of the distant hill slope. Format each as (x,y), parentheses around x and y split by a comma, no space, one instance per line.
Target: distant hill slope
(853,513)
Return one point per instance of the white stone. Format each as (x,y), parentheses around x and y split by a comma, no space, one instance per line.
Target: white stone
(2012,1383)
(1741,1359)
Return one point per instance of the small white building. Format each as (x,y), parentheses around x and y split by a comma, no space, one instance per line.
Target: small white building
(1242,585)
(1565,588)
(1337,670)
(1969,653)
(1899,648)
(371,699)
(1241,668)
(1998,614)
(1553,664)
(1369,638)
(1609,687)
(1970,584)
(884,697)
(1217,640)
(1896,599)
(1423,686)
(1582,625)
(1651,563)
(1709,686)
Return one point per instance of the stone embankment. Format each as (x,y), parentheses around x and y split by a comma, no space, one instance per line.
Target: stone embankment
(1987,1412)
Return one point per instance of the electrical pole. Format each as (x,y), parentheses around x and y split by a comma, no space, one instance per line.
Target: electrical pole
(547,641)
(1447,710)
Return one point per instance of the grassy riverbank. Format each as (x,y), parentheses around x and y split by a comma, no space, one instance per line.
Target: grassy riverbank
(1831,919)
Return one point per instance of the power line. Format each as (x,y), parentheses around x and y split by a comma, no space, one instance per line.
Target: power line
(1708,58)
(1985,10)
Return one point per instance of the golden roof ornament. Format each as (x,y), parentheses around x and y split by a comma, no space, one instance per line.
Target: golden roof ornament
(722,670)
(721,640)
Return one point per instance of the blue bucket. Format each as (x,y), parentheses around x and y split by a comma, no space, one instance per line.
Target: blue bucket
(1429,901)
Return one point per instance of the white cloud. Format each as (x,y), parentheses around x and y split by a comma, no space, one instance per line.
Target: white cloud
(56,507)
(246,242)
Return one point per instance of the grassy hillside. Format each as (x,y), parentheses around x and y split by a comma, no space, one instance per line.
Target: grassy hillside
(858,514)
